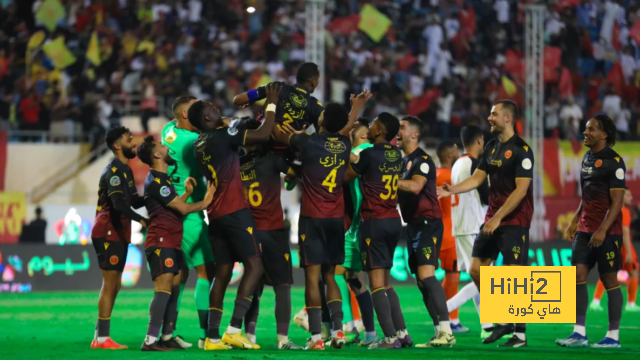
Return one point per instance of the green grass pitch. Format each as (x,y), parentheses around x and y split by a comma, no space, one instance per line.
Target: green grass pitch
(60,325)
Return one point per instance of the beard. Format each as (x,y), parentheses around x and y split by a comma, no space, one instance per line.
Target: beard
(169,160)
(129,153)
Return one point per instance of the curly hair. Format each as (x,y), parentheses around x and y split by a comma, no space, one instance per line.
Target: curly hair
(609,127)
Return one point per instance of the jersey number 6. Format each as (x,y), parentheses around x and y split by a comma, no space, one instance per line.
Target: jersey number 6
(255,198)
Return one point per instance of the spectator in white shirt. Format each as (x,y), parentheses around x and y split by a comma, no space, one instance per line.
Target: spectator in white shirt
(611,104)
(622,121)
(502,11)
(570,118)
(445,105)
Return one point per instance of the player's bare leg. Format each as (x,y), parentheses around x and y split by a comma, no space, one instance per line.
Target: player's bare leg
(579,336)
(253,272)
(111,284)
(597,296)
(434,294)
(206,273)
(334,303)
(382,306)
(632,291)
(365,302)
(163,285)
(313,301)
(614,306)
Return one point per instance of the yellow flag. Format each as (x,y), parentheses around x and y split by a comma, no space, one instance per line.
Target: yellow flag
(93,52)
(146,45)
(49,13)
(161,62)
(373,22)
(34,41)
(509,86)
(129,44)
(59,54)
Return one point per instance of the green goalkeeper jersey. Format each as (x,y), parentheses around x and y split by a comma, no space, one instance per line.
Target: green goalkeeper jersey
(180,143)
(356,195)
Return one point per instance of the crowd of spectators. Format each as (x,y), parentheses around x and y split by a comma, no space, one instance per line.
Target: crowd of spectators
(445,61)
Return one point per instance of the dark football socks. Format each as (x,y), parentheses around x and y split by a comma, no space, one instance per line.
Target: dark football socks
(215,316)
(242,305)
(365,302)
(283,308)
(335,309)
(171,312)
(383,311)
(156,314)
(396,310)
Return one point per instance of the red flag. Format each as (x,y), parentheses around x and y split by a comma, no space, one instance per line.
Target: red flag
(615,37)
(345,25)
(512,63)
(616,78)
(552,57)
(565,85)
(634,32)
(468,19)
(421,104)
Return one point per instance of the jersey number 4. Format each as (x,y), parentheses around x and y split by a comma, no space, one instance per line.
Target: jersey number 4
(391,186)
(330,180)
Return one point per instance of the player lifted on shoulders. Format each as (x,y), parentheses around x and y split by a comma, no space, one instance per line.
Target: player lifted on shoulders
(231,225)
(111,233)
(379,168)
(508,161)
(421,211)
(179,135)
(164,241)
(447,153)
(468,210)
(260,174)
(630,259)
(596,228)
(325,158)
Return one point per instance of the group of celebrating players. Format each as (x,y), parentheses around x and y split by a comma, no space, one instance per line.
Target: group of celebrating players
(352,178)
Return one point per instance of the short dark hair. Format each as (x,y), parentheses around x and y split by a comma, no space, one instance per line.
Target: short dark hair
(335,118)
(196,114)
(509,105)
(38,211)
(307,72)
(469,134)
(391,124)
(417,123)
(363,121)
(145,150)
(609,127)
(114,134)
(181,100)
(442,149)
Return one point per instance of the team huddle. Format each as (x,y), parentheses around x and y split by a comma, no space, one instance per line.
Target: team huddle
(353,181)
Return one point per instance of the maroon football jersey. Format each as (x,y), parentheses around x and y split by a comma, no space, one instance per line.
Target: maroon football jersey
(380,168)
(165,227)
(110,224)
(504,163)
(324,158)
(260,174)
(601,172)
(217,154)
(425,204)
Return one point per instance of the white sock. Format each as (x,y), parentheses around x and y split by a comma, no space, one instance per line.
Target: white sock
(455,321)
(476,302)
(150,339)
(283,339)
(95,335)
(595,301)
(613,334)
(251,337)
(446,327)
(166,337)
(400,334)
(233,330)
(486,325)
(631,303)
(350,326)
(436,329)
(580,330)
(315,338)
(390,340)
(520,336)
(102,339)
(465,294)
(215,341)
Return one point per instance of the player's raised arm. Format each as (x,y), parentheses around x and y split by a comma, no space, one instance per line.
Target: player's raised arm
(357,103)
(183,208)
(250,96)
(263,133)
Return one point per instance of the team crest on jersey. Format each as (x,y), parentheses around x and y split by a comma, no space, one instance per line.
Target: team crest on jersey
(114,260)
(248,165)
(508,154)
(170,137)
(115,181)
(165,191)
(391,155)
(298,101)
(598,163)
(335,146)
(168,262)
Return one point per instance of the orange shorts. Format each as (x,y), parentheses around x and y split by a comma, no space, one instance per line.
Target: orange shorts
(634,264)
(449,259)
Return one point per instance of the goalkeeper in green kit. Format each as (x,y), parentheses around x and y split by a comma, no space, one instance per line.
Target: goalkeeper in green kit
(179,135)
